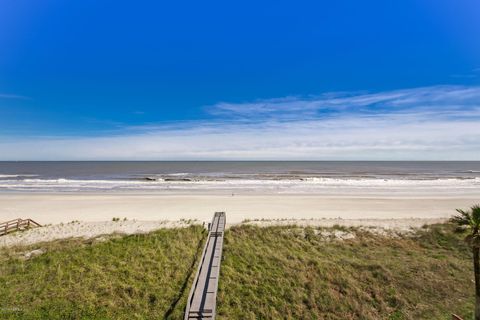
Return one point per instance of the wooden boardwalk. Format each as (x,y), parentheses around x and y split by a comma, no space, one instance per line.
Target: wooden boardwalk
(202,299)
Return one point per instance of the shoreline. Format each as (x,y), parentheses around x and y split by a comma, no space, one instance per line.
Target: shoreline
(473,194)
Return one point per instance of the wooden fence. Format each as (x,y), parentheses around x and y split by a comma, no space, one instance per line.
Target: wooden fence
(17,224)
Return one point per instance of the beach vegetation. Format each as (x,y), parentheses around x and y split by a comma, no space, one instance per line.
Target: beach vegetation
(143,276)
(469,221)
(276,272)
(280,273)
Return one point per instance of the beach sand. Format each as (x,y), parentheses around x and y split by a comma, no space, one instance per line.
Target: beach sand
(148,212)
(66,207)
(86,230)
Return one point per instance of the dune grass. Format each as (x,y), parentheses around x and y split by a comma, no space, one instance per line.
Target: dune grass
(131,277)
(293,273)
(267,273)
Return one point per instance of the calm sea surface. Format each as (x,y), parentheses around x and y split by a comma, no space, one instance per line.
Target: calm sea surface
(277,176)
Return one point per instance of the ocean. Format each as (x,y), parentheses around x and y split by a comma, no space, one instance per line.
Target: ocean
(247,176)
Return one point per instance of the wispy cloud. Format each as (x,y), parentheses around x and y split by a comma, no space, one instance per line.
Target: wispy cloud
(433,123)
(437,98)
(12,96)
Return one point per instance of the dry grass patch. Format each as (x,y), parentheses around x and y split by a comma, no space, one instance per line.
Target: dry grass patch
(131,277)
(272,273)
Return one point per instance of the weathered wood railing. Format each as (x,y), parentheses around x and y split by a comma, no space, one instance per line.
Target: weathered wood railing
(17,224)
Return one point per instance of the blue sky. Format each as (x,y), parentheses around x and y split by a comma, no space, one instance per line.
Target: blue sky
(303,80)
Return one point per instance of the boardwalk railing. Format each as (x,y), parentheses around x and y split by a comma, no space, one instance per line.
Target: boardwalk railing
(202,300)
(17,224)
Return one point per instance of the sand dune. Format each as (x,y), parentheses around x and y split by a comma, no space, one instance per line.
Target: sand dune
(85,230)
(88,230)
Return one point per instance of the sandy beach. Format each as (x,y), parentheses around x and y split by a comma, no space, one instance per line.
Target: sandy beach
(140,212)
(57,208)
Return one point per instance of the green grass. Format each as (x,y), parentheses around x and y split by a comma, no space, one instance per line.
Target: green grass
(267,273)
(290,273)
(132,277)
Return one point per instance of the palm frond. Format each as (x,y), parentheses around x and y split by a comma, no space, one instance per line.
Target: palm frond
(475,214)
(463,218)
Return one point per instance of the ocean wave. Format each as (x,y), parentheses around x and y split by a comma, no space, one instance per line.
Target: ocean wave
(393,182)
(310,183)
(9,176)
(77,181)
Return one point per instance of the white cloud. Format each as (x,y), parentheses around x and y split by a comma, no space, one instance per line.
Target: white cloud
(347,138)
(436,123)
(433,98)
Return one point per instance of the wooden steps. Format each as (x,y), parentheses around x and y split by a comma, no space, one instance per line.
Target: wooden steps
(16,225)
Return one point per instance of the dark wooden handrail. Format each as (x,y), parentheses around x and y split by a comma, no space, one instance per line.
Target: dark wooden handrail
(17,224)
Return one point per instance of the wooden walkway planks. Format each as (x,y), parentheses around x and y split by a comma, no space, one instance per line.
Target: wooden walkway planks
(202,299)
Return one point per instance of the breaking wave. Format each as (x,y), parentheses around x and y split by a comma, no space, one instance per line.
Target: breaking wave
(304,184)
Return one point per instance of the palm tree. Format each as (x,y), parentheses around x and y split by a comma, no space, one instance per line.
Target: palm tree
(470,220)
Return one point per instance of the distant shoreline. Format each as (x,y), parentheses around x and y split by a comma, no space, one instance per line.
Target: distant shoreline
(473,194)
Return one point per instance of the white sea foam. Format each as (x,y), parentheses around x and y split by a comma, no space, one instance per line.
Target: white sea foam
(285,185)
(394,182)
(8,176)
